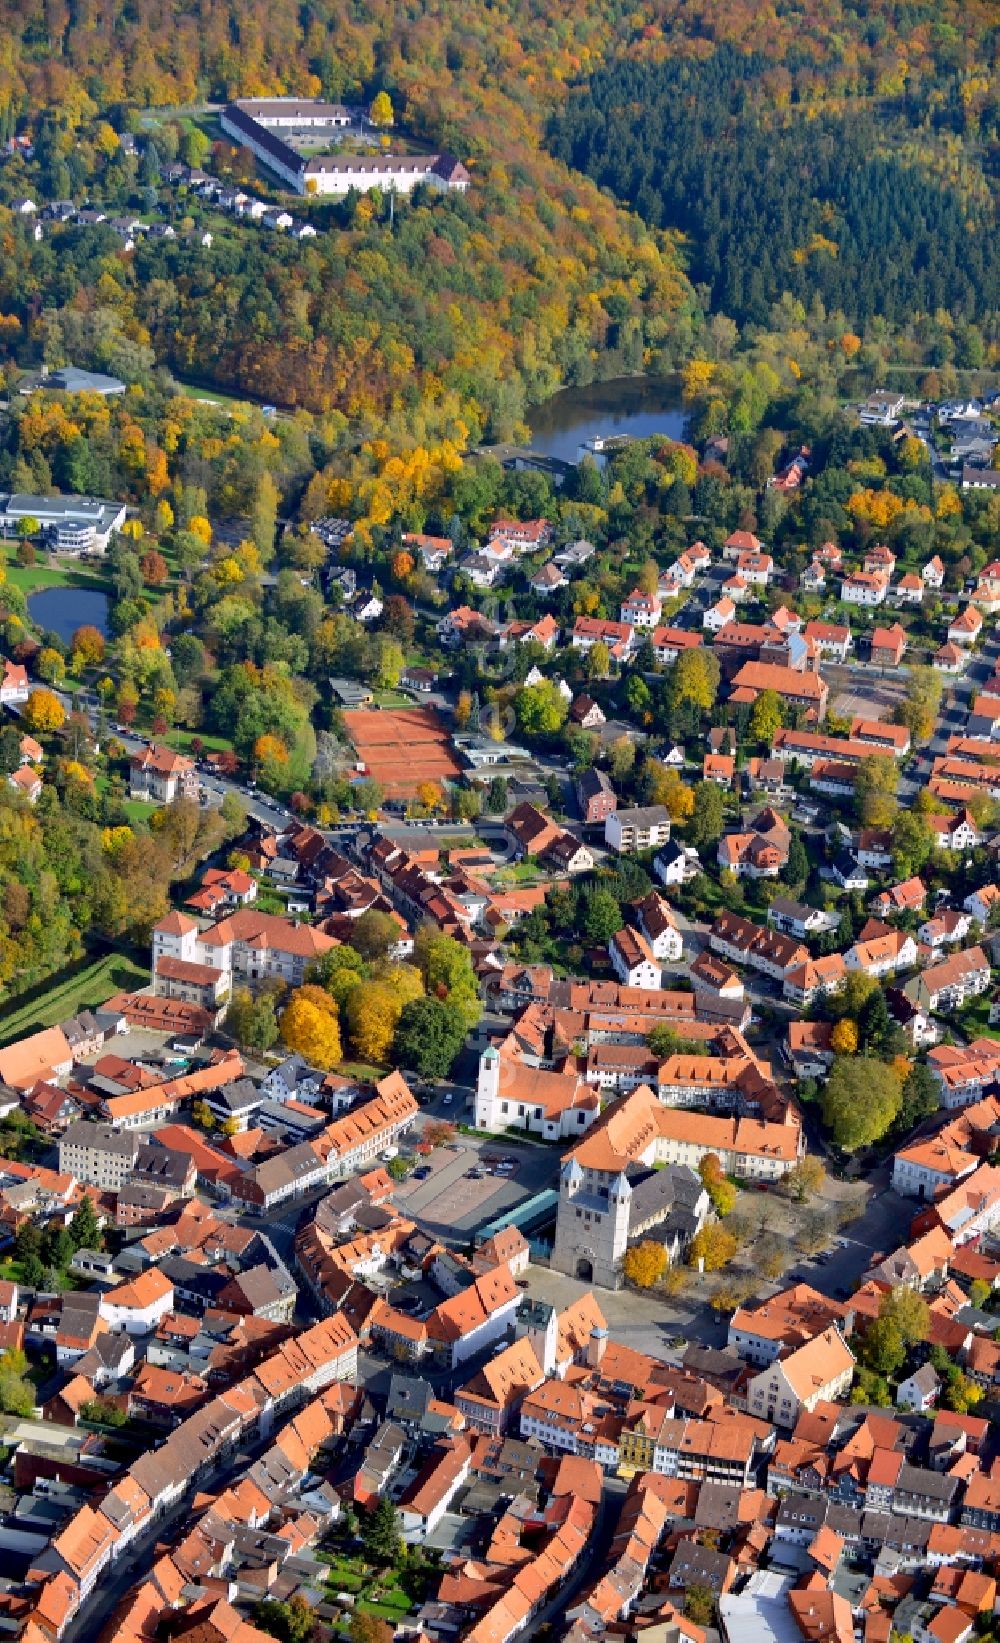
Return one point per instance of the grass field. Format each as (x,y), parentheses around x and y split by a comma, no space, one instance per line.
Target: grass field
(14,1272)
(85,989)
(362,1070)
(138,810)
(181,741)
(29,578)
(192,390)
(975,1019)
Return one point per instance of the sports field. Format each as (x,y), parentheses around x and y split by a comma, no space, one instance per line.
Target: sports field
(401,749)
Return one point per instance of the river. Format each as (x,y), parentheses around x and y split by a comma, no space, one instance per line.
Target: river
(640,406)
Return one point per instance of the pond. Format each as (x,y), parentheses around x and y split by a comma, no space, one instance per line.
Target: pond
(63,610)
(640,406)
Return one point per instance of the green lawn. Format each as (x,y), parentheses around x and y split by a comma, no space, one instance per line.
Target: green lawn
(362,1070)
(521,873)
(192,390)
(384,1608)
(181,741)
(975,1019)
(85,989)
(138,810)
(392,698)
(14,1271)
(29,578)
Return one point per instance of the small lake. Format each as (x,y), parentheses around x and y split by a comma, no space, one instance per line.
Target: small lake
(63,610)
(640,406)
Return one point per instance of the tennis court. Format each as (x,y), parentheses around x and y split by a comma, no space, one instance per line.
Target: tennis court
(402,749)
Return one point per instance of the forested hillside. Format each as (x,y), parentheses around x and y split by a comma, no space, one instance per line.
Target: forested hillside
(854,203)
(846,151)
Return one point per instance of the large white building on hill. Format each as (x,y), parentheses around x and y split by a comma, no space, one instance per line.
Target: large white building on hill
(256,125)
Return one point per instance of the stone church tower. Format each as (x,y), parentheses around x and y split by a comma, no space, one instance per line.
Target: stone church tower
(591,1227)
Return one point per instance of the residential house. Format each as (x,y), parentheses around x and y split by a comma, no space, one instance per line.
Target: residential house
(641,610)
(820,1370)
(965,629)
(947,986)
(888,646)
(881,951)
(920,1390)
(716,616)
(932,573)
(645,827)
(160,775)
(596,796)
(867,588)
(632,960)
(658,925)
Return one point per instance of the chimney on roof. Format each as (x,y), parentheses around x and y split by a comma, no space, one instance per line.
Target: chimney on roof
(596,1347)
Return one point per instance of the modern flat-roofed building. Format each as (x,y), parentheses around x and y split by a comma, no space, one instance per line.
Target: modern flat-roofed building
(74,524)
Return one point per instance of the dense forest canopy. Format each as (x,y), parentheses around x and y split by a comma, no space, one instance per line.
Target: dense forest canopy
(845,203)
(799,127)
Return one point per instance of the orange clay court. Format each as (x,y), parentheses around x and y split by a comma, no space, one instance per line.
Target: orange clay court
(401,750)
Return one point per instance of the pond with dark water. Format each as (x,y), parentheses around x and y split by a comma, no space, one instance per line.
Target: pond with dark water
(639,406)
(63,610)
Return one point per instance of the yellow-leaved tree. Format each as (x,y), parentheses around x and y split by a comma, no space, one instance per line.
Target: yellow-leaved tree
(645,1264)
(374,1007)
(43,711)
(310,1026)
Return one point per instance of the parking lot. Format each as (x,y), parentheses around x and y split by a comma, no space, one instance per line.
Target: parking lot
(453,1203)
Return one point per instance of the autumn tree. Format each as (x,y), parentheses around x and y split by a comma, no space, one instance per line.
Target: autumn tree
(713,1247)
(290,1622)
(716,1183)
(851,994)
(43,712)
(644,1264)
(766,717)
(87,648)
(694,681)
(373,1010)
(310,1027)
(154,568)
(374,933)
(844,1038)
(909,1312)
(807,1179)
(368,1628)
(598,661)
(660,784)
(875,785)
(861,1101)
(919,709)
(381,112)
